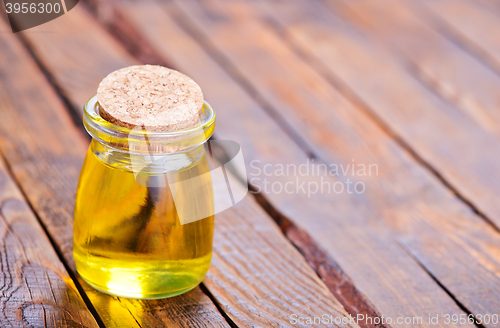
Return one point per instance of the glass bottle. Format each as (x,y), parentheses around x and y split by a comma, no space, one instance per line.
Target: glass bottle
(143,223)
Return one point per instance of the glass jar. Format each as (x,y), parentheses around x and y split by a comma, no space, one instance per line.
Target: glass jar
(144,222)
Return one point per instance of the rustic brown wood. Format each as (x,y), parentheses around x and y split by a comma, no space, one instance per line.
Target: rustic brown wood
(45,152)
(37,291)
(239,42)
(263,265)
(189,55)
(257,276)
(193,309)
(339,283)
(443,66)
(420,244)
(236,97)
(469,23)
(419,118)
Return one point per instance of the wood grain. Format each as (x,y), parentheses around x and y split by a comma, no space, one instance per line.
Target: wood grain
(251,257)
(414,41)
(419,118)
(263,265)
(45,151)
(237,44)
(470,24)
(189,55)
(36,289)
(415,220)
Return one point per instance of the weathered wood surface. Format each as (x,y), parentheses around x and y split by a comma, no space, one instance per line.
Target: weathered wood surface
(309,25)
(36,289)
(471,24)
(425,205)
(414,205)
(45,152)
(233,104)
(448,68)
(405,86)
(200,63)
(409,110)
(418,42)
(251,255)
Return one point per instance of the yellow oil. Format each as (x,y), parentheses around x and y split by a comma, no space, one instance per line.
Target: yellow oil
(128,239)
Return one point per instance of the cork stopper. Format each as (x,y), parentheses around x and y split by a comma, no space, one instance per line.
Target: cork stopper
(153,97)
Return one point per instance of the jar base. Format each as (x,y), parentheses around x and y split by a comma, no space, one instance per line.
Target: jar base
(142,296)
(141,278)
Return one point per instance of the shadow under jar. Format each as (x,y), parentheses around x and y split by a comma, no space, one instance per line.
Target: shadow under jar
(141,228)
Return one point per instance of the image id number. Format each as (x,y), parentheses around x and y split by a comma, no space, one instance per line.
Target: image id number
(25,8)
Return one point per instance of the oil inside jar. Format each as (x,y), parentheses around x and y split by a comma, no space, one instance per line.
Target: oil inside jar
(128,238)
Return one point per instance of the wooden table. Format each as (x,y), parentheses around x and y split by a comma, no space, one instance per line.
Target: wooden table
(412,87)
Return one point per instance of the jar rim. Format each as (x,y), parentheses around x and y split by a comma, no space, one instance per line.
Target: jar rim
(112,134)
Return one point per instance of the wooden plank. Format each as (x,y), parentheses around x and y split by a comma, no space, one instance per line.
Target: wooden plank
(188,56)
(257,276)
(443,66)
(238,44)
(470,24)
(45,152)
(36,288)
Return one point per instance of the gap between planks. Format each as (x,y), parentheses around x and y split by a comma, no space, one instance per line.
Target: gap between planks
(453,297)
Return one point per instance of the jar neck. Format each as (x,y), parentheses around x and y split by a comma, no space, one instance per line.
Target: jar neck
(140,143)
(147,163)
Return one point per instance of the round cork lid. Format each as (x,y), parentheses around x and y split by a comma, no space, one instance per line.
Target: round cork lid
(153,97)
